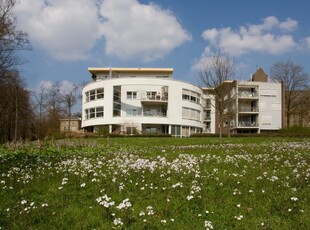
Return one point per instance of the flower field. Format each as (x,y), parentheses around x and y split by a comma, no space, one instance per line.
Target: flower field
(134,184)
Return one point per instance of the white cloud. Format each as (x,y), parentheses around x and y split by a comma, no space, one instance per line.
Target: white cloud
(263,37)
(69,29)
(142,31)
(289,24)
(307,42)
(66,29)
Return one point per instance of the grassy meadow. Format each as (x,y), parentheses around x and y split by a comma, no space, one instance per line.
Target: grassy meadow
(156,183)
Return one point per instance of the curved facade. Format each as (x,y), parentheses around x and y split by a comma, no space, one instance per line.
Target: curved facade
(141,100)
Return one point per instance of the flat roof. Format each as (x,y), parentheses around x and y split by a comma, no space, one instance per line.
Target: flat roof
(95,70)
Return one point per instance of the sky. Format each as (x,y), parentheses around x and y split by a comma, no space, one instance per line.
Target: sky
(68,36)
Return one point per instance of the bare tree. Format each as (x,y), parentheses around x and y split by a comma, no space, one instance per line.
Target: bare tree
(55,110)
(214,74)
(294,79)
(69,98)
(40,104)
(11,39)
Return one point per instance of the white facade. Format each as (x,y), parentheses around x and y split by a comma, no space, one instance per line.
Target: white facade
(141,100)
(261,99)
(259,106)
(148,100)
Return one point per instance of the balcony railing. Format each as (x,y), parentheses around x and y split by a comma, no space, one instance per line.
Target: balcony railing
(155,98)
(154,114)
(207,117)
(247,124)
(248,110)
(245,94)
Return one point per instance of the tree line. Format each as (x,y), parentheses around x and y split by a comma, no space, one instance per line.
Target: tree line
(25,114)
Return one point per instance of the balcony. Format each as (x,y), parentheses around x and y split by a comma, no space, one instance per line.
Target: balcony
(248,110)
(154,114)
(247,92)
(155,99)
(207,118)
(247,124)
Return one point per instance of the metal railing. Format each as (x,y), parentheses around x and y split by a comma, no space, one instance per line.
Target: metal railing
(245,94)
(247,124)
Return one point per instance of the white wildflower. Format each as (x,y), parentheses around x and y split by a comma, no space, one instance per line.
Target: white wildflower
(190,197)
(117,221)
(294,199)
(208,225)
(23,202)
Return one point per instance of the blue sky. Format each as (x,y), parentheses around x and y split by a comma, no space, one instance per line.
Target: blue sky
(68,36)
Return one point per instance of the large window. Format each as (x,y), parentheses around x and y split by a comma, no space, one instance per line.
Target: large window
(94,94)
(131,95)
(191,96)
(94,113)
(117,104)
(192,114)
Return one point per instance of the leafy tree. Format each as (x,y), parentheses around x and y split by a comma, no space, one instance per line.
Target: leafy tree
(294,79)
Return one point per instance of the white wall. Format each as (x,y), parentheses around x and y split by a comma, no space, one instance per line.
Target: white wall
(174,106)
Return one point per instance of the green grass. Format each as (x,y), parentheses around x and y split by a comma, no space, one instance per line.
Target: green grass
(243,183)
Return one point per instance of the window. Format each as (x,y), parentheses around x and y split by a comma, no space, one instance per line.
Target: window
(131,112)
(94,113)
(191,96)
(151,94)
(99,112)
(100,93)
(185,97)
(150,130)
(192,114)
(87,96)
(94,94)
(131,95)
(208,103)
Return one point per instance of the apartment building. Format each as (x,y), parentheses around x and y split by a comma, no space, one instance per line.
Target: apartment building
(148,100)
(142,100)
(255,106)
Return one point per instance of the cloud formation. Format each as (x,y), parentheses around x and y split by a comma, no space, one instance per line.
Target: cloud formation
(271,36)
(66,29)
(132,29)
(69,29)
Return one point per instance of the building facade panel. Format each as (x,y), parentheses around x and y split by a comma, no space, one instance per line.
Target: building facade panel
(143,103)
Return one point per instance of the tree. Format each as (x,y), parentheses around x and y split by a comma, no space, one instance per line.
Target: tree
(55,110)
(294,79)
(40,101)
(15,110)
(215,73)
(69,98)
(11,39)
